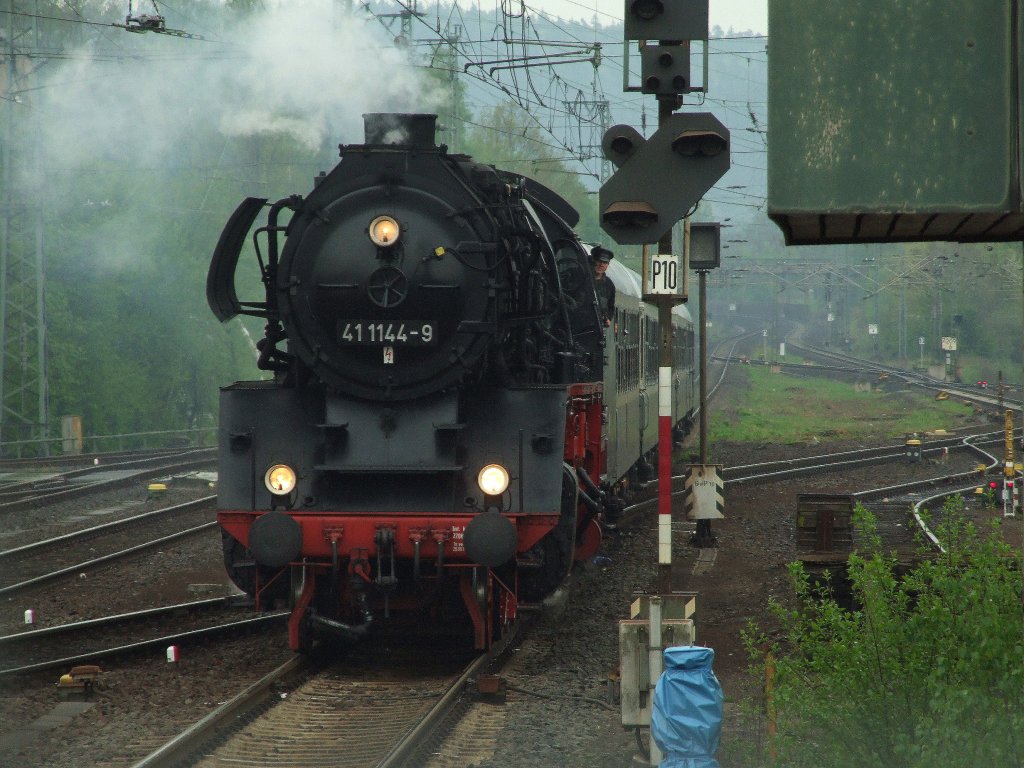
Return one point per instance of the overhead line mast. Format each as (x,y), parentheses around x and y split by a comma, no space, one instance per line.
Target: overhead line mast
(24,411)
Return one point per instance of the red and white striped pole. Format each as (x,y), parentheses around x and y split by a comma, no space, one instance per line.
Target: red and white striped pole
(665,304)
(665,470)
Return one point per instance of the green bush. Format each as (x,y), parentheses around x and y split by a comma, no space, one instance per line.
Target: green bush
(927,672)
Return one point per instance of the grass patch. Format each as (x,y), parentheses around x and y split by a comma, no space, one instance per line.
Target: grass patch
(777,407)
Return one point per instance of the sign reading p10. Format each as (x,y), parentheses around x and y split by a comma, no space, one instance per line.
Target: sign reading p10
(664,276)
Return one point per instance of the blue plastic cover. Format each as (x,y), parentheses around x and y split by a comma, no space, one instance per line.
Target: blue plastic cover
(687,719)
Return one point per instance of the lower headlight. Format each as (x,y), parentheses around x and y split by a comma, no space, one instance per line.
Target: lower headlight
(493,479)
(280,479)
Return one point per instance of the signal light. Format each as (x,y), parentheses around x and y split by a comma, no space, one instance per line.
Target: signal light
(622,146)
(620,142)
(993,485)
(704,143)
(665,69)
(661,20)
(647,9)
(631,214)
(660,179)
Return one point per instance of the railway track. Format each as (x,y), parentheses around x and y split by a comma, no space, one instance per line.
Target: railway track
(273,691)
(965,479)
(838,461)
(842,363)
(77,483)
(108,636)
(827,534)
(358,712)
(31,565)
(13,468)
(272,697)
(859,365)
(896,508)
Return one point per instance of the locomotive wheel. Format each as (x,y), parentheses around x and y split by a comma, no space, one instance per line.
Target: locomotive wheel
(553,553)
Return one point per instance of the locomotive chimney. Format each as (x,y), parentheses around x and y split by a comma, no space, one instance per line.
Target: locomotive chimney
(400,129)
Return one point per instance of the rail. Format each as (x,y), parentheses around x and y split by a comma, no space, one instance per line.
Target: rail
(70,635)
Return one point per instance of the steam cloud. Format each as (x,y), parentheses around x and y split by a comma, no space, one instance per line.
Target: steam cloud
(300,68)
(124,111)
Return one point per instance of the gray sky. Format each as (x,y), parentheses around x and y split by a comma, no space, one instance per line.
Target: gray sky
(738,14)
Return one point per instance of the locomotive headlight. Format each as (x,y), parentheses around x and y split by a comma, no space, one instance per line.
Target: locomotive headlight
(384,231)
(493,479)
(280,479)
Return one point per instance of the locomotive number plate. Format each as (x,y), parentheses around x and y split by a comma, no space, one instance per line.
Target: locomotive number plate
(412,333)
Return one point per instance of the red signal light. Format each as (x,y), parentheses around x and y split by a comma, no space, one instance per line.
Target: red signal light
(993,484)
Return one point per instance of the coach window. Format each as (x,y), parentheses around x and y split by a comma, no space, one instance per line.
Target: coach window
(622,354)
(627,351)
(634,354)
(651,356)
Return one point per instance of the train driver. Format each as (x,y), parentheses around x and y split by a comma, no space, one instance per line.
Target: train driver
(603,284)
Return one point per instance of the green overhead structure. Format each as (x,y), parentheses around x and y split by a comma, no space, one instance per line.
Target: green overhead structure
(895,120)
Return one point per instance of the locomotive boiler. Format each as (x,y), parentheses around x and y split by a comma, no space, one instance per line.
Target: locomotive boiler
(432,435)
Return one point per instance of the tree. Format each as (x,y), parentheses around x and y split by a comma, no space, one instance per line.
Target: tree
(928,671)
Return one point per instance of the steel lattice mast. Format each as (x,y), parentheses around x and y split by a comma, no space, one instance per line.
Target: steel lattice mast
(23,375)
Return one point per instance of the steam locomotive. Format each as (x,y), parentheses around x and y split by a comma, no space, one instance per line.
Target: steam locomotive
(448,423)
